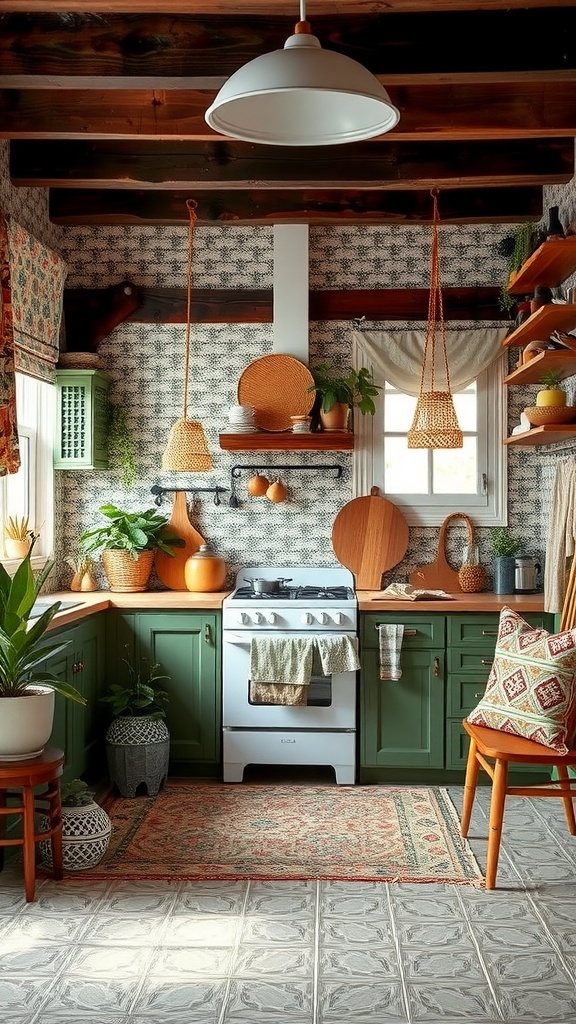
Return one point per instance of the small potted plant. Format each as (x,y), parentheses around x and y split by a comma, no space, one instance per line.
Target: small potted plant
(504,548)
(27,685)
(552,392)
(86,829)
(19,537)
(338,393)
(128,542)
(82,567)
(138,740)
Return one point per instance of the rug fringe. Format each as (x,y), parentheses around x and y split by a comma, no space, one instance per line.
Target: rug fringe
(99,876)
(465,844)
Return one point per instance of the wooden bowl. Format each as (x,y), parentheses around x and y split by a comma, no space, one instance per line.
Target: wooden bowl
(541,415)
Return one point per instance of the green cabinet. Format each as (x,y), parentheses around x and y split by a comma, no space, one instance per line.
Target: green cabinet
(81,440)
(78,729)
(402,721)
(187,646)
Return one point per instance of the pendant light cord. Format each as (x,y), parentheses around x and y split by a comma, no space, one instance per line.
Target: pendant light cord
(435,307)
(191,206)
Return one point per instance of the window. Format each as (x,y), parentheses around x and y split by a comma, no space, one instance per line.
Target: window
(429,485)
(30,491)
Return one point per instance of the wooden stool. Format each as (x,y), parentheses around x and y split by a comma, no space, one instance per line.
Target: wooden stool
(17,782)
(502,748)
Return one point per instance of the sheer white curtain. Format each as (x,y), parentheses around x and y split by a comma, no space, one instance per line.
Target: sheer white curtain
(398,355)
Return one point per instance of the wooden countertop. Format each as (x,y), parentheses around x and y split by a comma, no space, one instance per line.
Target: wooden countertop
(147,600)
(372,601)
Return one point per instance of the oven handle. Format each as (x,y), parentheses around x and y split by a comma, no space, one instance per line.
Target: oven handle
(245,639)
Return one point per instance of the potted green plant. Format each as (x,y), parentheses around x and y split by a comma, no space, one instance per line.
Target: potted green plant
(27,686)
(552,392)
(338,393)
(121,447)
(86,829)
(515,249)
(138,740)
(504,548)
(18,536)
(128,542)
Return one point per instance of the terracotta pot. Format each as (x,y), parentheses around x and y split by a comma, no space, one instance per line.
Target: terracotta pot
(16,548)
(336,418)
(205,571)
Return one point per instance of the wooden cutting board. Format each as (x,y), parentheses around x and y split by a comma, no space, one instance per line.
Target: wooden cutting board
(170,571)
(369,536)
(439,575)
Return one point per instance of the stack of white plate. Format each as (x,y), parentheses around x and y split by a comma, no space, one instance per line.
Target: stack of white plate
(241,419)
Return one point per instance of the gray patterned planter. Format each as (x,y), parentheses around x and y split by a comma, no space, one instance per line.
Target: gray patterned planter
(86,833)
(138,751)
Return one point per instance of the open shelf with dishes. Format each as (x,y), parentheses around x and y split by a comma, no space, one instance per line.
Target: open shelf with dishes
(548,266)
(562,361)
(540,325)
(550,433)
(286,441)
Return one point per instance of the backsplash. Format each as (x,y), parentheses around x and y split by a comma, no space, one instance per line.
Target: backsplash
(145,366)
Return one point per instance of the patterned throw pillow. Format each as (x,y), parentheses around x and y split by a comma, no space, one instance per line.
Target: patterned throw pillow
(531,689)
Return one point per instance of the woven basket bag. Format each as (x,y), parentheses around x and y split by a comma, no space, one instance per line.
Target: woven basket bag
(126,573)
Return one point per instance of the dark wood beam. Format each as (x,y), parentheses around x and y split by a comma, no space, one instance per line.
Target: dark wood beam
(314,8)
(230,165)
(499,40)
(461,206)
(438,112)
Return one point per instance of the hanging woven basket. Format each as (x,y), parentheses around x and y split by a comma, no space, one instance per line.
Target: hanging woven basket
(435,423)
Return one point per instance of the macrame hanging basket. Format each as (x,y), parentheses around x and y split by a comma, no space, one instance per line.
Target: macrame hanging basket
(187,450)
(435,424)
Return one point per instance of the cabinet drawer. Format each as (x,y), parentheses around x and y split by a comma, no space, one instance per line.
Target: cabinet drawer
(463,694)
(420,631)
(470,660)
(483,629)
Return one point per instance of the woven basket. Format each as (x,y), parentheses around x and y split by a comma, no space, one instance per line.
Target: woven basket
(125,573)
(187,451)
(540,415)
(435,422)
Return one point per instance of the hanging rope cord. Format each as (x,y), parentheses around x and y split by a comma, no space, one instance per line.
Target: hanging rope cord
(435,308)
(191,206)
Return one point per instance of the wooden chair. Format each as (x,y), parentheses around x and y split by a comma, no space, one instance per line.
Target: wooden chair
(494,751)
(18,780)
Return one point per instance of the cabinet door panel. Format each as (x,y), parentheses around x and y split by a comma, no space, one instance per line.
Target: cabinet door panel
(402,721)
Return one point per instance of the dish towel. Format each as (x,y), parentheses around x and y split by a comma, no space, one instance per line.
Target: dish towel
(338,653)
(390,641)
(280,669)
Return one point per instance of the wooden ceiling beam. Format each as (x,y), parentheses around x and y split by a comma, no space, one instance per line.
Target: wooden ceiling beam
(462,206)
(448,113)
(230,165)
(314,8)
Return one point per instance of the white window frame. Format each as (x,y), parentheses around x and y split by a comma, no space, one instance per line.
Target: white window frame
(486,509)
(36,417)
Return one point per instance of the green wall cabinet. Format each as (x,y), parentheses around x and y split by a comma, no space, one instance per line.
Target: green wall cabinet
(416,722)
(187,645)
(78,729)
(82,413)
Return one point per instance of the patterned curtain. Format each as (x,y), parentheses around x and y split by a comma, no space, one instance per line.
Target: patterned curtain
(9,450)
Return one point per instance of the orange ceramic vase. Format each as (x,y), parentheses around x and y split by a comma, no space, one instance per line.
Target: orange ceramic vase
(205,571)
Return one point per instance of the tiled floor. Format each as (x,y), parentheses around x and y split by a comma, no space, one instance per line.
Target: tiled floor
(304,952)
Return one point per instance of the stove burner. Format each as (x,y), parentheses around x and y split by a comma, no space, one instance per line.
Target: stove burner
(297,594)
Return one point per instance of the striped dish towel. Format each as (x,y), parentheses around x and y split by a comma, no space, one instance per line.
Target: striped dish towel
(390,641)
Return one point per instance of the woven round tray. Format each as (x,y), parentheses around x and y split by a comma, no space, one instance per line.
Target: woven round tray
(277,387)
(540,415)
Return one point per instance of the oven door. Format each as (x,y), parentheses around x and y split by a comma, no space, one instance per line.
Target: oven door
(330,701)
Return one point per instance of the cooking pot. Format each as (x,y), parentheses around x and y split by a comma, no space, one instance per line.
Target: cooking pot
(525,569)
(269,586)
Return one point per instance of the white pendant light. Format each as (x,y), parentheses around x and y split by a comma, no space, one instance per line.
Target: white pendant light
(302,96)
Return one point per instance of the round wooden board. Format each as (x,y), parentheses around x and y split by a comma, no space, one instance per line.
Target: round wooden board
(370,536)
(277,386)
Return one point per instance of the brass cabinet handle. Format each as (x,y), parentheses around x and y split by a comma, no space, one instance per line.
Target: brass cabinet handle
(407,632)
(207,634)
(486,661)
(436,666)
(489,632)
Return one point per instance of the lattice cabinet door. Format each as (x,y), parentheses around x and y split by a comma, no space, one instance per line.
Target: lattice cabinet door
(82,420)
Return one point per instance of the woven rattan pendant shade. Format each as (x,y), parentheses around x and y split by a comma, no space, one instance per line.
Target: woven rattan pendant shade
(187,450)
(435,424)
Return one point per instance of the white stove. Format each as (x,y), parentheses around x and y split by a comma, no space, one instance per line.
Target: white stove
(306,602)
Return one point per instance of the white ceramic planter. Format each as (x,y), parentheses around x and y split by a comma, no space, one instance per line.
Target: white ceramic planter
(26,724)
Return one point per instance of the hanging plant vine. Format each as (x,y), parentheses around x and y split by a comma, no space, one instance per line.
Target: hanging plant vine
(121,447)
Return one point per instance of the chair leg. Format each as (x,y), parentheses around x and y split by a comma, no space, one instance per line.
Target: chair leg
(499,785)
(56,823)
(564,780)
(472,769)
(29,848)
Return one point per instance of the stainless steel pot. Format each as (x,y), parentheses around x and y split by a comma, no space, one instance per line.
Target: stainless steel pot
(525,569)
(269,586)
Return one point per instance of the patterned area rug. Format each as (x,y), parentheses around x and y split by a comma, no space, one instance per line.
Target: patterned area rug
(209,830)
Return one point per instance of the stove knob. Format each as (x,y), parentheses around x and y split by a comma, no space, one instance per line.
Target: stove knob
(258,617)
(271,618)
(339,618)
(306,619)
(243,619)
(324,618)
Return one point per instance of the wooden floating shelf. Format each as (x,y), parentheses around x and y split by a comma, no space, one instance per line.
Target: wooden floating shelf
(538,327)
(550,265)
(328,441)
(562,361)
(551,433)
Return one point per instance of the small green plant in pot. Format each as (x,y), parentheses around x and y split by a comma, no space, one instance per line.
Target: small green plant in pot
(27,686)
(504,548)
(552,393)
(128,542)
(138,740)
(342,392)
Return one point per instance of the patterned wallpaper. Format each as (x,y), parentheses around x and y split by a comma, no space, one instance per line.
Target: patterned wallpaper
(145,366)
